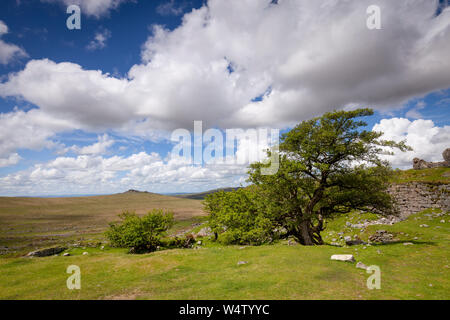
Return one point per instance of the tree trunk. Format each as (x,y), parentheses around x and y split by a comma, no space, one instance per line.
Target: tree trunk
(308,234)
(305,234)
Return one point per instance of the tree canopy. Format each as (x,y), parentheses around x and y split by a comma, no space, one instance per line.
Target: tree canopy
(328,165)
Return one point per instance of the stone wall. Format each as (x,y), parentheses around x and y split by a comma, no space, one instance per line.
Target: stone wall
(413,197)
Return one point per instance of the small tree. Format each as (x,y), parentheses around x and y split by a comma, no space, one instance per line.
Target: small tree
(328,166)
(237,217)
(141,233)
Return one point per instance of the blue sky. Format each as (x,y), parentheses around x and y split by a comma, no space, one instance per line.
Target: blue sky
(92,111)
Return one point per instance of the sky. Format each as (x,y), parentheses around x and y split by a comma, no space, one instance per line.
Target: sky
(95,110)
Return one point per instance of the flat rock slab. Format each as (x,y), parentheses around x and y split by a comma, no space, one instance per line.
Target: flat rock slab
(46,252)
(343,257)
(361,265)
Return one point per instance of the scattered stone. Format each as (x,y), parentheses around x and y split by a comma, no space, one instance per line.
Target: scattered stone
(335,244)
(85,253)
(354,242)
(442,221)
(240,248)
(381,236)
(205,232)
(292,242)
(46,252)
(347,238)
(424,226)
(416,238)
(408,243)
(242,262)
(343,257)
(102,247)
(66,254)
(361,265)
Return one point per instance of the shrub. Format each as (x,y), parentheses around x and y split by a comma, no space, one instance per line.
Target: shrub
(143,234)
(236,217)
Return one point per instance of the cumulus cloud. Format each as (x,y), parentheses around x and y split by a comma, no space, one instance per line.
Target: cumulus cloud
(96,174)
(12,159)
(27,130)
(86,98)
(100,147)
(300,58)
(96,8)
(8,51)
(427,140)
(99,41)
(247,64)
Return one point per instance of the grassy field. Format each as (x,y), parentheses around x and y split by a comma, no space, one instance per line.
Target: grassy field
(30,223)
(279,271)
(434,175)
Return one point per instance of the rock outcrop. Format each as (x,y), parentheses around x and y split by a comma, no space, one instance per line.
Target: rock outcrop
(413,197)
(46,252)
(419,164)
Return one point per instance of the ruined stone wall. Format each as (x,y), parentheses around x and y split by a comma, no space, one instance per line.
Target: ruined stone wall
(413,197)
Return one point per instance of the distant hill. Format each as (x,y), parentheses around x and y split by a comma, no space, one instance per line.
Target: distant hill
(202,195)
(28,222)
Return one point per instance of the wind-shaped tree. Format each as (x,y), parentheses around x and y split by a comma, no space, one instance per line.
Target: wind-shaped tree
(328,165)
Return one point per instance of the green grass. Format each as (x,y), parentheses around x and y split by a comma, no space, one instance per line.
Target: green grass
(434,175)
(278,271)
(27,224)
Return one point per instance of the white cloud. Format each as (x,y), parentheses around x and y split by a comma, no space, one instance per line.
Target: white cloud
(9,52)
(427,140)
(96,8)
(415,112)
(99,41)
(100,147)
(170,8)
(87,99)
(301,57)
(27,130)
(309,53)
(96,174)
(12,159)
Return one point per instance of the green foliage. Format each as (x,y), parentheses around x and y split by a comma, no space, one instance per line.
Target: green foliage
(141,233)
(237,217)
(328,166)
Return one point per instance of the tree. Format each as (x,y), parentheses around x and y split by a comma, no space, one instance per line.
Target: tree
(141,233)
(328,166)
(238,217)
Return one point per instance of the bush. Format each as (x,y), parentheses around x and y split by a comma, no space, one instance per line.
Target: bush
(236,217)
(143,234)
